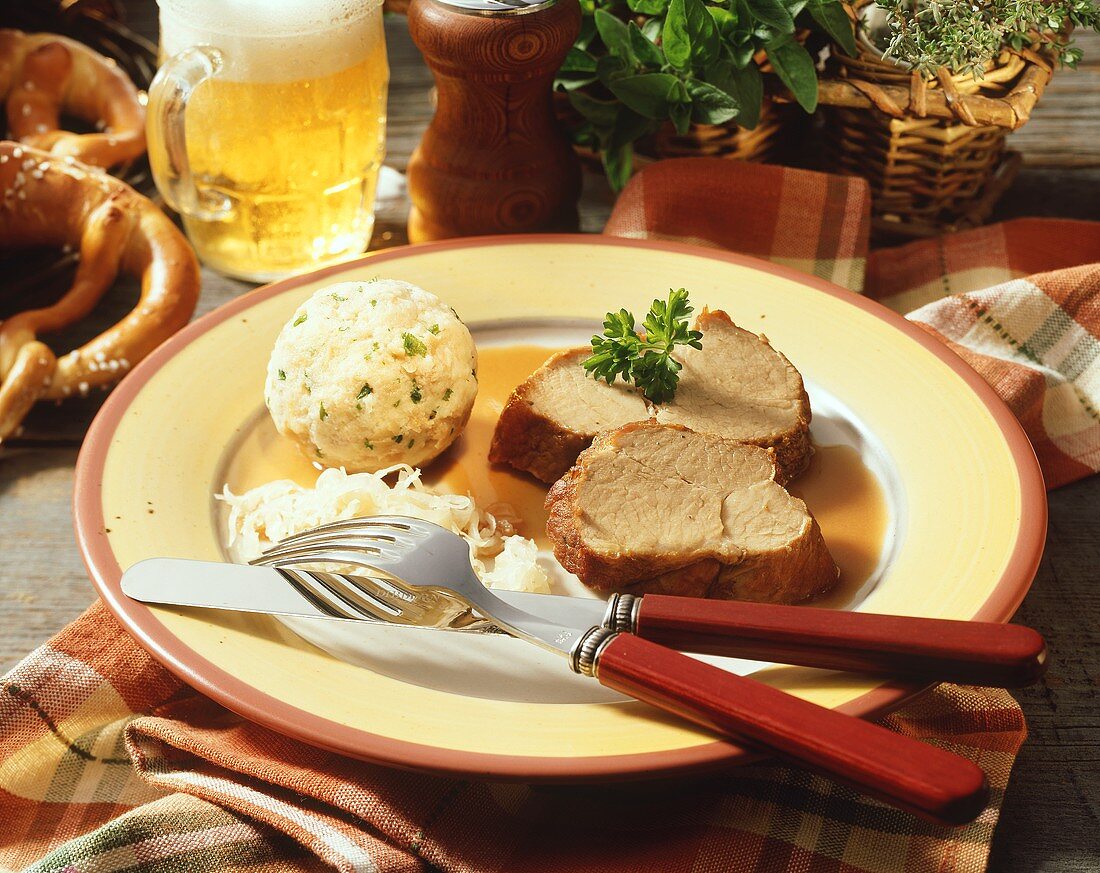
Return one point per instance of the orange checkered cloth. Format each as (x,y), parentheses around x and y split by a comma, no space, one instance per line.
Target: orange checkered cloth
(107,762)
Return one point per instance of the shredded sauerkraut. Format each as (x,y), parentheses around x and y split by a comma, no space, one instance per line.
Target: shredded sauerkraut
(271,512)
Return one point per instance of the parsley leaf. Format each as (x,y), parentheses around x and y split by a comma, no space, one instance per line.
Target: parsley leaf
(413,345)
(645,360)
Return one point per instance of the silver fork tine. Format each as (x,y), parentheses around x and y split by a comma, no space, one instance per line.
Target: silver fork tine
(393,526)
(352,596)
(301,583)
(326,598)
(367,535)
(358,597)
(357,557)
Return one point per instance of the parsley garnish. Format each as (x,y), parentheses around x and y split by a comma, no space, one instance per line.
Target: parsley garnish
(447,394)
(415,393)
(398,438)
(413,345)
(364,391)
(434,330)
(648,362)
(367,444)
(300,319)
(282,375)
(322,414)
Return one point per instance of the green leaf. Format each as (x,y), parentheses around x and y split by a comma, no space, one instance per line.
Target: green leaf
(649,94)
(648,362)
(710,105)
(618,155)
(745,86)
(647,53)
(725,20)
(609,68)
(680,115)
(587,34)
(578,61)
(795,69)
(832,18)
(674,38)
(648,7)
(690,36)
(577,70)
(614,35)
(602,113)
(772,12)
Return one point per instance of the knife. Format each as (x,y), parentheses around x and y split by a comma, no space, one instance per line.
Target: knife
(926,649)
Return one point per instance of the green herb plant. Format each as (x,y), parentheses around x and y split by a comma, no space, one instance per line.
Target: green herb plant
(646,360)
(639,63)
(964,37)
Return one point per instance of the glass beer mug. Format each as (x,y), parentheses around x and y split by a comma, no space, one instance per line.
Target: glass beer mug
(266,129)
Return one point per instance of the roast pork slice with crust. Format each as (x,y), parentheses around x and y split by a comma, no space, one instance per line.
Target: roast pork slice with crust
(555,413)
(662,508)
(737,386)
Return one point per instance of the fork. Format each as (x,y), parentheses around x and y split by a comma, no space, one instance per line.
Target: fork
(924,649)
(420,557)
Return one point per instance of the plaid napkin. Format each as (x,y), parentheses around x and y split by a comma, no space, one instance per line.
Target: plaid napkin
(107,762)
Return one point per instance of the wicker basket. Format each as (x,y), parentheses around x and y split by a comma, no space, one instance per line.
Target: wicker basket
(933,149)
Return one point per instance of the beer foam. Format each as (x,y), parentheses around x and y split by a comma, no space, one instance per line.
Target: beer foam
(274,40)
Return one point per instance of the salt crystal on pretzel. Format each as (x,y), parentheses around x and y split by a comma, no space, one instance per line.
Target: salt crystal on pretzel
(114,229)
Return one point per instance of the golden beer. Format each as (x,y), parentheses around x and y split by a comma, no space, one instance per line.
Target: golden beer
(273,159)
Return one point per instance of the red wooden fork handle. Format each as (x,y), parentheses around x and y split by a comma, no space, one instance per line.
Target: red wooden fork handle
(912,775)
(978,653)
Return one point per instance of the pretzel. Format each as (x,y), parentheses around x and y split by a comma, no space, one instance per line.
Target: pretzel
(43,75)
(50,201)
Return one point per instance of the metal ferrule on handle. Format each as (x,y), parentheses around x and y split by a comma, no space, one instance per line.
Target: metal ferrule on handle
(622,613)
(586,653)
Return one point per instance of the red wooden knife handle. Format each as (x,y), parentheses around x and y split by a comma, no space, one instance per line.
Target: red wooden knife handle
(907,773)
(972,652)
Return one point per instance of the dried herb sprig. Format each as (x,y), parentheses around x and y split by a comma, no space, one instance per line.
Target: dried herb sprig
(965,36)
(646,360)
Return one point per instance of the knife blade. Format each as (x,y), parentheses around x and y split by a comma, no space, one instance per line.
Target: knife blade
(244,588)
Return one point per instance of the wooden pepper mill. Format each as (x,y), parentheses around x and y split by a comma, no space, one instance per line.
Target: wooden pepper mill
(494,159)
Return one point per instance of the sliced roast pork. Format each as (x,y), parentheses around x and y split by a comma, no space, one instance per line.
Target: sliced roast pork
(651,507)
(555,414)
(737,386)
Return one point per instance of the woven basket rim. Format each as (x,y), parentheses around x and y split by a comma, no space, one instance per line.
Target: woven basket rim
(872,83)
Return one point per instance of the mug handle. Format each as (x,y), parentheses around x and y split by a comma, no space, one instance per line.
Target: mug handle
(169,93)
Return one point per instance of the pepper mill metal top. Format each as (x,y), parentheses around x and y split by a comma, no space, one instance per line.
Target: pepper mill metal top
(494,159)
(496,8)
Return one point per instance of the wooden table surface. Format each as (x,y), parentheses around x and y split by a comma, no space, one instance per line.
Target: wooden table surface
(1050,818)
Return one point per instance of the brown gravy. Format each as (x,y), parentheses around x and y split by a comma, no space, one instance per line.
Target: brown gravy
(841,492)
